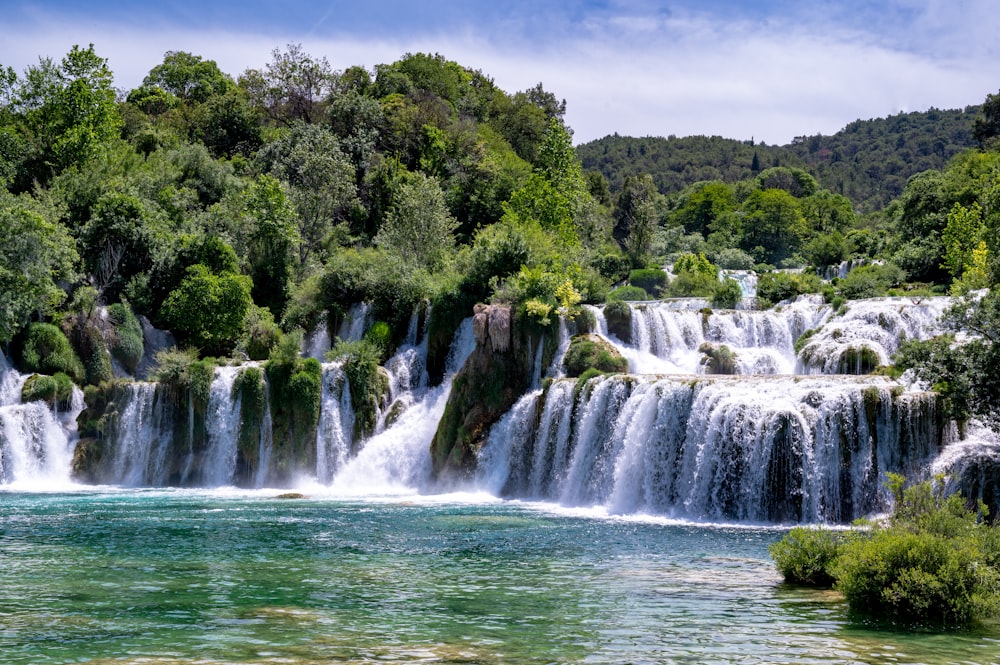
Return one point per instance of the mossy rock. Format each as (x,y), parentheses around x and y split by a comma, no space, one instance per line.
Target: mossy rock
(718,359)
(47,350)
(56,390)
(619,317)
(592,352)
(87,459)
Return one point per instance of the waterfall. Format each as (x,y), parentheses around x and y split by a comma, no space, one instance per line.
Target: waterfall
(336,422)
(265,444)
(139,438)
(317,342)
(396,459)
(357,320)
(869,333)
(751,449)
(222,423)
(407,369)
(36,440)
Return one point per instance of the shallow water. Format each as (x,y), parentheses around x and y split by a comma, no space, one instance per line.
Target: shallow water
(114,576)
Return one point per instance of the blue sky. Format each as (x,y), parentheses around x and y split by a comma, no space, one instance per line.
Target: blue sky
(767,70)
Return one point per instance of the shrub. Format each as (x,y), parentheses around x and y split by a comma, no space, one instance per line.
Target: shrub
(127,346)
(628,293)
(934,561)
(727,294)
(260,334)
(380,337)
(619,317)
(47,350)
(805,556)
(586,321)
(773,287)
(590,351)
(650,280)
(870,281)
(733,258)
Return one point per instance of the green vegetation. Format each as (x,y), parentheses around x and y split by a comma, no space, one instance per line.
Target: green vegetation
(934,561)
(587,352)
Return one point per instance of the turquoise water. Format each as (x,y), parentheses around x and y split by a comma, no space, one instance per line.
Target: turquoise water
(201,577)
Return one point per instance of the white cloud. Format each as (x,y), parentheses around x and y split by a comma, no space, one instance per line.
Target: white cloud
(640,74)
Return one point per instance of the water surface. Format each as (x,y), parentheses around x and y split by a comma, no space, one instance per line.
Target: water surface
(151,576)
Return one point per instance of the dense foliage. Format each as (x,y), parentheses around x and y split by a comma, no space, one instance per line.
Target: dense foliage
(934,561)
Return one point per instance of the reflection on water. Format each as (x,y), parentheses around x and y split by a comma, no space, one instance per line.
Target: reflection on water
(208,577)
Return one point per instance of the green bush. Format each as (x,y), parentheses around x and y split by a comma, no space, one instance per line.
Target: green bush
(619,317)
(870,281)
(774,287)
(727,294)
(127,347)
(628,293)
(380,337)
(805,556)
(586,321)
(47,350)
(590,351)
(733,258)
(933,562)
(650,280)
(260,334)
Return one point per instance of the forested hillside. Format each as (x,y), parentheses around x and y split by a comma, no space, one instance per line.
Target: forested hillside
(239,211)
(869,161)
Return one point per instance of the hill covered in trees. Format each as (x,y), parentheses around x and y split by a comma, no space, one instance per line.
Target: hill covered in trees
(239,211)
(869,161)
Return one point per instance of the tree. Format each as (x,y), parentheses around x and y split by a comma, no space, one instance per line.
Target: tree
(635,218)
(35,254)
(292,87)
(208,310)
(986,126)
(189,77)
(773,226)
(118,242)
(704,208)
(418,228)
(67,112)
(320,179)
(270,241)
(962,235)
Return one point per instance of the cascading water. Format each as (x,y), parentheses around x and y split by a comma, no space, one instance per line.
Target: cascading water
(396,460)
(222,423)
(36,440)
(336,422)
(357,320)
(139,438)
(721,448)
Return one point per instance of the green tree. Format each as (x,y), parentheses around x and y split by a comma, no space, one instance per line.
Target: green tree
(118,243)
(292,87)
(67,111)
(35,255)
(635,218)
(321,183)
(189,77)
(208,310)
(962,234)
(773,226)
(270,239)
(418,228)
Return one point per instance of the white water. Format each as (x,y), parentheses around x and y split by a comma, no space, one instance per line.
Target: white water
(36,441)
(317,342)
(396,461)
(222,422)
(724,448)
(336,424)
(139,439)
(265,445)
(357,320)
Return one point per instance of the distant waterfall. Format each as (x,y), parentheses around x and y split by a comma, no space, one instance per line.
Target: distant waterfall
(746,449)
(222,423)
(140,437)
